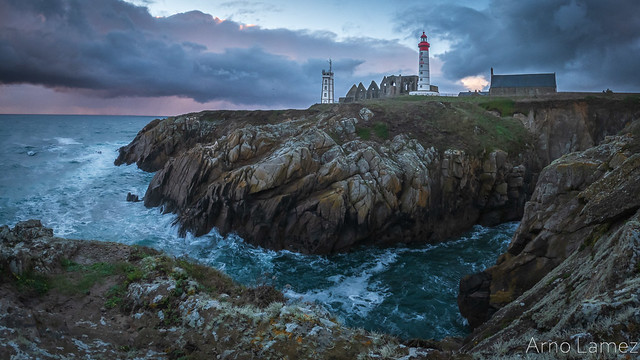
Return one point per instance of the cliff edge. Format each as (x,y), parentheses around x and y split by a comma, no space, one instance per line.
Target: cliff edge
(572,271)
(332,177)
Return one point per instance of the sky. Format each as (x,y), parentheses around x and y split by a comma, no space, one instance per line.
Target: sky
(167,57)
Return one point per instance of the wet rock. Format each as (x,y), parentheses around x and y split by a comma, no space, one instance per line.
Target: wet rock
(132,197)
(310,181)
(316,187)
(473,299)
(579,199)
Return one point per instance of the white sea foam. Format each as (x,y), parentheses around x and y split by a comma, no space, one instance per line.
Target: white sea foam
(66,141)
(357,293)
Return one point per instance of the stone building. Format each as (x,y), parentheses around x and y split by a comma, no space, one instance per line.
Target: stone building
(373,91)
(390,86)
(523,84)
(393,85)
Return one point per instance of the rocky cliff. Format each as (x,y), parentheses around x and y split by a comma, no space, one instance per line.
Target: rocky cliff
(329,178)
(563,126)
(67,299)
(548,215)
(572,271)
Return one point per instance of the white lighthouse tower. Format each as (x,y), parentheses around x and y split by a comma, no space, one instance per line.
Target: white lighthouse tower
(327,86)
(424,86)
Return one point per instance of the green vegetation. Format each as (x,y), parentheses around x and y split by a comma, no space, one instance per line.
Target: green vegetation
(274,115)
(79,279)
(364,133)
(448,122)
(76,279)
(212,280)
(631,100)
(335,137)
(381,130)
(32,282)
(115,295)
(501,133)
(85,277)
(505,106)
(424,99)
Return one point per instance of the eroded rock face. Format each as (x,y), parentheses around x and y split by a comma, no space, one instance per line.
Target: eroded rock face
(591,297)
(579,199)
(564,126)
(317,187)
(315,181)
(23,249)
(159,140)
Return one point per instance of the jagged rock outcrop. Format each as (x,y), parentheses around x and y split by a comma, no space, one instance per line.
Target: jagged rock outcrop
(576,246)
(66,299)
(159,140)
(564,126)
(314,185)
(588,304)
(329,178)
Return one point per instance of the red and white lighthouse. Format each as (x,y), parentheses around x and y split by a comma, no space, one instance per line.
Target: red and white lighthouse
(423,69)
(424,80)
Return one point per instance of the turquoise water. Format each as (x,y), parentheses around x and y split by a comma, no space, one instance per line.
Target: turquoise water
(60,169)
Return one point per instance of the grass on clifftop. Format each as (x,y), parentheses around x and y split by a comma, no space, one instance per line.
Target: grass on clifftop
(461,123)
(505,106)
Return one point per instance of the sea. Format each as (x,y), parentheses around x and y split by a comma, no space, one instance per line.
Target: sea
(59,169)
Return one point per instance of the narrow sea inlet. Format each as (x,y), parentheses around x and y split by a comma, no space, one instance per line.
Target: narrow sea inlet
(60,169)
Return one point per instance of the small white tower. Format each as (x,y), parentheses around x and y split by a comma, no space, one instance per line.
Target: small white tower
(327,86)
(424,86)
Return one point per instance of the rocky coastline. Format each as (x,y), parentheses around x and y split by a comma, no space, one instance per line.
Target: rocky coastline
(323,181)
(567,182)
(63,299)
(572,271)
(328,179)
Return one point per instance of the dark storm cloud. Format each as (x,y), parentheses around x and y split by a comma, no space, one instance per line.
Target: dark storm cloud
(111,48)
(590,44)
